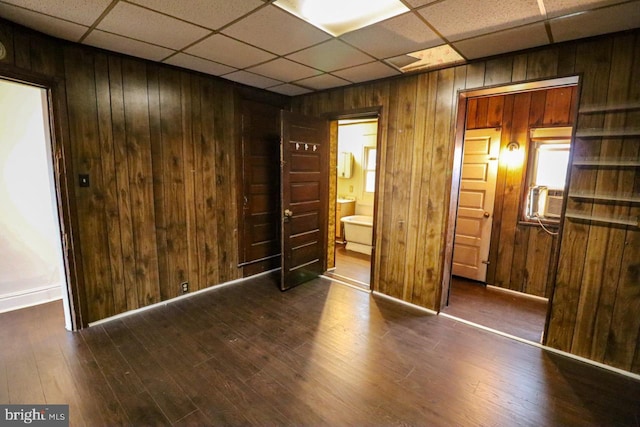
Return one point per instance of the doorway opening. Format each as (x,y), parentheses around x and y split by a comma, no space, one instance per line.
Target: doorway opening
(356,156)
(506,207)
(32,268)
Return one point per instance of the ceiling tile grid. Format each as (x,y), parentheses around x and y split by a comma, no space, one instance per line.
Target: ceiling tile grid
(256,43)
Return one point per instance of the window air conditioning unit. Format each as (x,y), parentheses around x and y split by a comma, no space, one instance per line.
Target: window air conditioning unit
(544,202)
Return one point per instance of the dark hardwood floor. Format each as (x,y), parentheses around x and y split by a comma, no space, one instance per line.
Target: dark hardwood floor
(508,312)
(319,354)
(352,265)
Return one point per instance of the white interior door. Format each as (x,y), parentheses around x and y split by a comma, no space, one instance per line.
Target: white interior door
(475,206)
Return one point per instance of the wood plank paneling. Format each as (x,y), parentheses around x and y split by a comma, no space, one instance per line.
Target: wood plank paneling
(534,250)
(158,144)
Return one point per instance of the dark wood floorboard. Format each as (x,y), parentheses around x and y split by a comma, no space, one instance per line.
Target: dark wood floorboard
(508,312)
(319,354)
(352,265)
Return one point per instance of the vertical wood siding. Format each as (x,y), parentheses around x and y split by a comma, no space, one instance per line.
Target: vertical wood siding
(159,146)
(597,287)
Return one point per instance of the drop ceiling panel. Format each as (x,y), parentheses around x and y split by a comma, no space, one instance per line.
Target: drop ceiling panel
(142,24)
(284,70)
(403,34)
(330,56)
(557,8)
(504,41)
(127,46)
(251,79)
(222,49)
(46,24)
(324,81)
(418,3)
(194,63)
(601,21)
(366,72)
(208,13)
(289,90)
(461,19)
(277,31)
(80,11)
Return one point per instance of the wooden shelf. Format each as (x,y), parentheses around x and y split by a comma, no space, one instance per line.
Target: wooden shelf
(613,163)
(604,133)
(594,109)
(632,221)
(606,197)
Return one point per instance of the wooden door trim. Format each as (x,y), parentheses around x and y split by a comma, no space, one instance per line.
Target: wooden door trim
(456,168)
(64,187)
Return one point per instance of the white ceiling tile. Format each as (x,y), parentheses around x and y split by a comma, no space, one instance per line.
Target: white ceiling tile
(251,79)
(324,81)
(46,24)
(557,8)
(289,89)
(284,70)
(127,46)
(616,18)
(403,34)
(461,19)
(330,56)
(142,24)
(81,11)
(277,31)
(418,3)
(222,49)
(366,72)
(208,13)
(504,41)
(199,64)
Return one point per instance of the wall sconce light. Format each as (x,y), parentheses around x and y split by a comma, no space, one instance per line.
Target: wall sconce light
(513,154)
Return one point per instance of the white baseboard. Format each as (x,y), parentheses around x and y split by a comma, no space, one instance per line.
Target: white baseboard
(30,297)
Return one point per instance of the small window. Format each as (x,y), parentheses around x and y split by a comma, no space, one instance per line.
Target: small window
(369,169)
(547,172)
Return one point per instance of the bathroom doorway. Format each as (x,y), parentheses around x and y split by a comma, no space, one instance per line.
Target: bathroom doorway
(356,157)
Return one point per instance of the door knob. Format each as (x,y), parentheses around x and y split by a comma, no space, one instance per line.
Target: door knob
(287,214)
(486,215)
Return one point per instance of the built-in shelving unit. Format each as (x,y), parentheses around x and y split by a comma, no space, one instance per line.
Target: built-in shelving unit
(585,200)
(607,133)
(607,163)
(632,221)
(607,197)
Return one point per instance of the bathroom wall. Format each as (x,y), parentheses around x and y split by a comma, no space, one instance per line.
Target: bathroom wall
(354,137)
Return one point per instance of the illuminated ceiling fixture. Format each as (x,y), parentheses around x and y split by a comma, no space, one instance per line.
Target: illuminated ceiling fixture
(435,57)
(337,17)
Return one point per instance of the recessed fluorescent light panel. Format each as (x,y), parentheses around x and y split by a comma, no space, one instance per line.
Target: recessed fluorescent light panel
(337,17)
(435,57)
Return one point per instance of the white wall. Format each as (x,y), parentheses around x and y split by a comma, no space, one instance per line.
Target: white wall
(30,250)
(354,138)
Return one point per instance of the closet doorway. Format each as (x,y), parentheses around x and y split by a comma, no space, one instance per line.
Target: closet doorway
(505,239)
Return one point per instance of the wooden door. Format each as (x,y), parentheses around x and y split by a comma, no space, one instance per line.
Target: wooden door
(475,205)
(260,245)
(304,177)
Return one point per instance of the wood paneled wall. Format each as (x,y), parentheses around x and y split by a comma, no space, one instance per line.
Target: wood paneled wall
(520,255)
(159,146)
(597,292)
